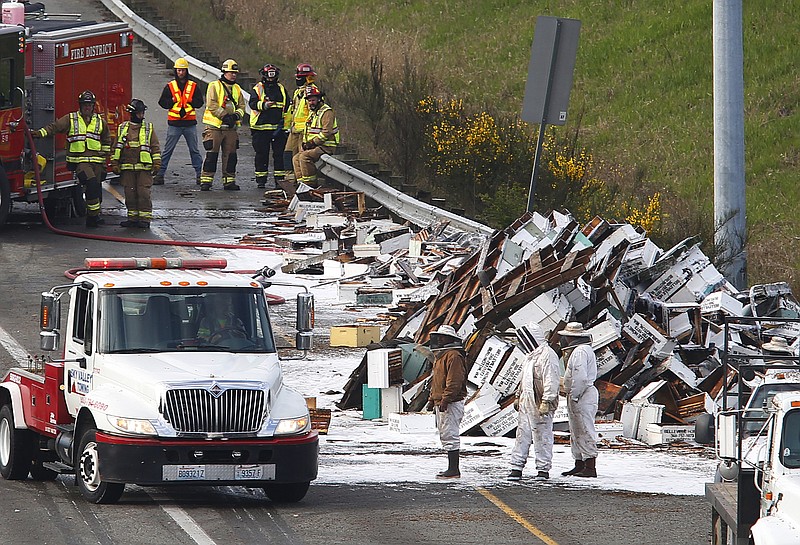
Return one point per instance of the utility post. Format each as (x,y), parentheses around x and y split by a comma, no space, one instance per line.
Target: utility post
(729,181)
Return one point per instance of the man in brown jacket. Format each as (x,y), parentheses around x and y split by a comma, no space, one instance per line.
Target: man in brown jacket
(448,390)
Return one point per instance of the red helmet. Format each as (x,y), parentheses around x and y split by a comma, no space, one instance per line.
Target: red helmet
(313,91)
(304,70)
(270,72)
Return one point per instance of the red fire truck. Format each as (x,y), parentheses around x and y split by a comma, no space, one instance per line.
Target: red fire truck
(44,66)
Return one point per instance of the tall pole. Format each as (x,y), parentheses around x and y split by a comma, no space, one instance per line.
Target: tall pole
(729,180)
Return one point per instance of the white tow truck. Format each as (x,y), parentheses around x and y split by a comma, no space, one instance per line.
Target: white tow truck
(755,498)
(169,375)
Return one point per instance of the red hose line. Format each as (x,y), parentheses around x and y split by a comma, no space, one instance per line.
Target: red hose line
(271,299)
(127,240)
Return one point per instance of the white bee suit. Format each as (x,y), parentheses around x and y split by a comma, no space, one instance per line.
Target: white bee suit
(582,401)
(539,383)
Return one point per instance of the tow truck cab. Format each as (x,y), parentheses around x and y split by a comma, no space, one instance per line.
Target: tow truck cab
(168,376)
(755,494)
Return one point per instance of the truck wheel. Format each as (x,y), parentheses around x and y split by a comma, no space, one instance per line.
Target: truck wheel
(41,473)
(78,201)
(5,198)
(15,448)
(704,429)
(88,472)
(286,492)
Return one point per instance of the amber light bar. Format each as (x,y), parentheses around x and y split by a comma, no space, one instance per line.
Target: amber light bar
(122,263)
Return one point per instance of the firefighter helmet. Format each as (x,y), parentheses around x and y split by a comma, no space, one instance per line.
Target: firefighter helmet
(136,106)
(304,70)
(181,63)
(230,66)
(313,91)
(87,97)
(270,72)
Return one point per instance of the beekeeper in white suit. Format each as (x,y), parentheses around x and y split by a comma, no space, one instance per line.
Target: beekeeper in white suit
(536,401)
(579,388)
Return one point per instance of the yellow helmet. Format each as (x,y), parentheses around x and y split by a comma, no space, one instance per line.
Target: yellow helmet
(181,63)
(230,66)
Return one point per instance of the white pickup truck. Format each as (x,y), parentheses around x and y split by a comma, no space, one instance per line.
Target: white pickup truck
(169,375)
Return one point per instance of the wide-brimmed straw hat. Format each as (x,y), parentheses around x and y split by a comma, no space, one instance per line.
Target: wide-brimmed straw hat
(447,330)
(574,329)
(778,344)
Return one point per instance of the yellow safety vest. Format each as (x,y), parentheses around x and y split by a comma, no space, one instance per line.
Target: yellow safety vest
(259,90)
(300,110)
(182,100)
(81,137)
(314,127)
(145,157)
(222,98)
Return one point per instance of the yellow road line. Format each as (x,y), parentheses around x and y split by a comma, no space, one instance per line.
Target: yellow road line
(516,516)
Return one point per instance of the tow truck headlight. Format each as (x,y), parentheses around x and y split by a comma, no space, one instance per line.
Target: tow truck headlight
(292,426)
(137,426)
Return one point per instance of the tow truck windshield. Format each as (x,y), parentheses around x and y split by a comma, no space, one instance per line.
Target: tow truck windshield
(183,319)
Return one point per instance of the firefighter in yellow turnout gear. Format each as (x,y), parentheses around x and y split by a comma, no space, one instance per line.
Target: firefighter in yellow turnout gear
(88,146)
(321,136)
(224,113)
(298,115)
(137,157)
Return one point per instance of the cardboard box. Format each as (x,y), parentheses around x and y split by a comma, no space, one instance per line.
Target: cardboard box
(658,434)
(355,335)
(412,422)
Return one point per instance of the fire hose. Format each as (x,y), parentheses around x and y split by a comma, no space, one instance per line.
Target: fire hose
(272,299)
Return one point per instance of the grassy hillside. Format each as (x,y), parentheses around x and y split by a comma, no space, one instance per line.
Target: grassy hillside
(642,95)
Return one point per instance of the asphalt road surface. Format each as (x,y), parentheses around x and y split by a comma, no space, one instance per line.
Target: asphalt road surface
(32,259)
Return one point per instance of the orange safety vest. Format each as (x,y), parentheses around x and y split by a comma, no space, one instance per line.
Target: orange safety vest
(182,100)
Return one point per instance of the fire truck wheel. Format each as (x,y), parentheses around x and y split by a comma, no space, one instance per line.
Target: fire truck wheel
(41,473)
(88,471)
(5,198)
(15,448)
(78,201)
(286,492)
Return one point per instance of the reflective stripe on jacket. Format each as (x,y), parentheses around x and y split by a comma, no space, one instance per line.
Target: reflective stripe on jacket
(218,105)
(319,128)
(299,110)
(267,113)
(182,100)
(81,137)
(144,144)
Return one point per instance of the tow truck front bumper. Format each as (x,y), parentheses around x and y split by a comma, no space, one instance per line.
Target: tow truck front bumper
(243,462)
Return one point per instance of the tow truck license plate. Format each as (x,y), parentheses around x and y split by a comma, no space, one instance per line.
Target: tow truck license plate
(220,472)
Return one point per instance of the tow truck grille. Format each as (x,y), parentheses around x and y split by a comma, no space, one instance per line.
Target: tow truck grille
(198,411)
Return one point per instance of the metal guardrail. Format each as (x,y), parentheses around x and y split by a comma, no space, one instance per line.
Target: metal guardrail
(408,208)
(150,34)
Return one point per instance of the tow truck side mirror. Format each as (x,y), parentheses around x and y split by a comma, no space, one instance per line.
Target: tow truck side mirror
(49,320)
(305,321)
(726,436)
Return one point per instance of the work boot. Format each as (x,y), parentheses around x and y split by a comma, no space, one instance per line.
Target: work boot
(205,187)
(575,470)
(542,476)
(129,223)
(515,475)
(261,182)
(589,469)
(92,222)
(231,187)
(197,180)
(158,179)
(452,471)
